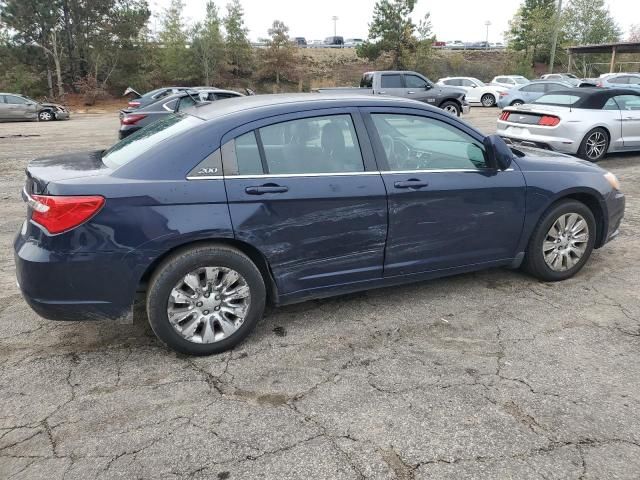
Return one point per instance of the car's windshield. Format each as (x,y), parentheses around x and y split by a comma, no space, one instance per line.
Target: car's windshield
(558,99)
(480,83)
(131,147)
(521,80)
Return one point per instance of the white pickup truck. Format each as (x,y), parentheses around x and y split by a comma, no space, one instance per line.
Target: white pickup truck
(409,84)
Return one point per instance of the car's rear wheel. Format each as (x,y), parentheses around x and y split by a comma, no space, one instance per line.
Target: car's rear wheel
(516,103)
(206,299)
(594,145)
(451,107)
(45,116)
(488,100)
(562,242)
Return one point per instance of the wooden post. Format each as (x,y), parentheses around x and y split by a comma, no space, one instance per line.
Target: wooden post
(613,59)
(570,62)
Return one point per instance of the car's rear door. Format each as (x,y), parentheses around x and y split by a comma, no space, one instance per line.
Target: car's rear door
(19,108)
(304,190)
(392,85)
(447,207)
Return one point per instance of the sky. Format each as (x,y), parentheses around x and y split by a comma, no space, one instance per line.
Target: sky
(451,19)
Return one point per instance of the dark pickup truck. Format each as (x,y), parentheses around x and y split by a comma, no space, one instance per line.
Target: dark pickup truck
(408,84)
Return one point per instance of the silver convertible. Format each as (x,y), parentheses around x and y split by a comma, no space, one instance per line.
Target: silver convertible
(588,122)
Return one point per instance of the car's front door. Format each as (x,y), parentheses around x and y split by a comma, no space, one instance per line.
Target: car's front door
(4,109)
(473,92)
(306,192)
(19,108)
(447,207)
(630,119)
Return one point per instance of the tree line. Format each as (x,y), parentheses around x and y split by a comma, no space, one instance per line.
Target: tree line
(52,47)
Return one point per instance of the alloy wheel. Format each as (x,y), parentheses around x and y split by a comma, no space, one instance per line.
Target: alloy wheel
(46,116)
(565,242)
(596,145)
(452,109)
(208,304)
(488,101)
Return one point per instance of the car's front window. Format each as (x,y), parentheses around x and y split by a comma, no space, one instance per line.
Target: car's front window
(521,80)
(144,139)
(479,83)
(412,142)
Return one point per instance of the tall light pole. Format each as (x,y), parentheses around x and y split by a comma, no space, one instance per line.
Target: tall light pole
(487,24)
(335,22)
(554,42)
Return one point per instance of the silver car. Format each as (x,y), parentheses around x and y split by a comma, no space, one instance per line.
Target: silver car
(588,122)
(20,108)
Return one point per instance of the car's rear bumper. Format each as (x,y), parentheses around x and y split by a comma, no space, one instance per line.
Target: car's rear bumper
(68,286)
(520,135)
(466,109)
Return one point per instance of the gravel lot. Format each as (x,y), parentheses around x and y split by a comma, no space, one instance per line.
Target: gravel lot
(490,375)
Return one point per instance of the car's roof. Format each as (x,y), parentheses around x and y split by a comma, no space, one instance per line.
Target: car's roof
(302,101)
(593,98)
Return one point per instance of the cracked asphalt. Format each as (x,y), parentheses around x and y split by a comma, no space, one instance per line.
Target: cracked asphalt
(491,375)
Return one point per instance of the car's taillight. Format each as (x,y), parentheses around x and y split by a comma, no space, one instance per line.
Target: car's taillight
(504,116)
(131,119)
(504,94)
(548,121)
(599,84)
(134,103)
(57,214)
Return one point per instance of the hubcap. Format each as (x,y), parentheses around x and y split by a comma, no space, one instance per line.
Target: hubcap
(487,101)
(596,143)
(566,242)
(209,304)
(451,109)
(45,116)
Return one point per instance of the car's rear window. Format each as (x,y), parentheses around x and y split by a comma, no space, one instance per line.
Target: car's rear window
(558,99)
(139,142)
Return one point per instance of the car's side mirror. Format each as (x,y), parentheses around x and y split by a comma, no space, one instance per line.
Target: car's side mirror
(499,154)
(428,86)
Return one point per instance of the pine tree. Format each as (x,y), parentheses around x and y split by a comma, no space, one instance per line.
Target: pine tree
(278,58)
(589,22)
(208,44)
(531,29)
(239,54)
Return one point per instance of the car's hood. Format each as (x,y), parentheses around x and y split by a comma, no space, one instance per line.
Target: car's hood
(538,160)
(54,105)
(449,89)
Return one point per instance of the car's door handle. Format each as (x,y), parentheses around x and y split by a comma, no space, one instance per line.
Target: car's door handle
(382,93)
(269,188)
(411,183)
(410,92)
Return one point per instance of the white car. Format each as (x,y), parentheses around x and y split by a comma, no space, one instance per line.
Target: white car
(588,122)
(509,81)
(477,91)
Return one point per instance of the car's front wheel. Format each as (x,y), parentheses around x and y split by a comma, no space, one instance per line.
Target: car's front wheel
(451,107)
(488,100)
(516,103)
(205,299)
(594,145)
(562,242)
(45,116)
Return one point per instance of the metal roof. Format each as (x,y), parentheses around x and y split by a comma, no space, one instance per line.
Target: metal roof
(621,47)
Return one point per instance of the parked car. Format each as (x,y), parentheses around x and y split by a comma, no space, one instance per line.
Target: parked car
(141,100)
(353,42)
(285,198)
(300,42)
(624,80)
(569,78)
(509,81)
(588,122)
(132,120)
(334,42)
(455,45)
(477,91)
(315,43)
(411,85)
(17,108)
(529,92)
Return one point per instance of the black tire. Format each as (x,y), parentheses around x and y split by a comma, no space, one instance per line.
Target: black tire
(175,267)
(45,116)
(516,103)
(586,152)
(488,100)
(534,262)
(449,107)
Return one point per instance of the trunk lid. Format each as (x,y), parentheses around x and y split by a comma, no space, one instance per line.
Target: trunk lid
(42,171)
(529,114)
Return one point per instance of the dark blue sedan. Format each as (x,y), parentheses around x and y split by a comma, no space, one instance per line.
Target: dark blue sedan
(281,199)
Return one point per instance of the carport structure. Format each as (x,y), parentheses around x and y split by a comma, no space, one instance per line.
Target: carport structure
(611,48)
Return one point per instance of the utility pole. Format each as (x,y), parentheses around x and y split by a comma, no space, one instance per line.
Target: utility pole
(554,42)
(487,24)
(335,22)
